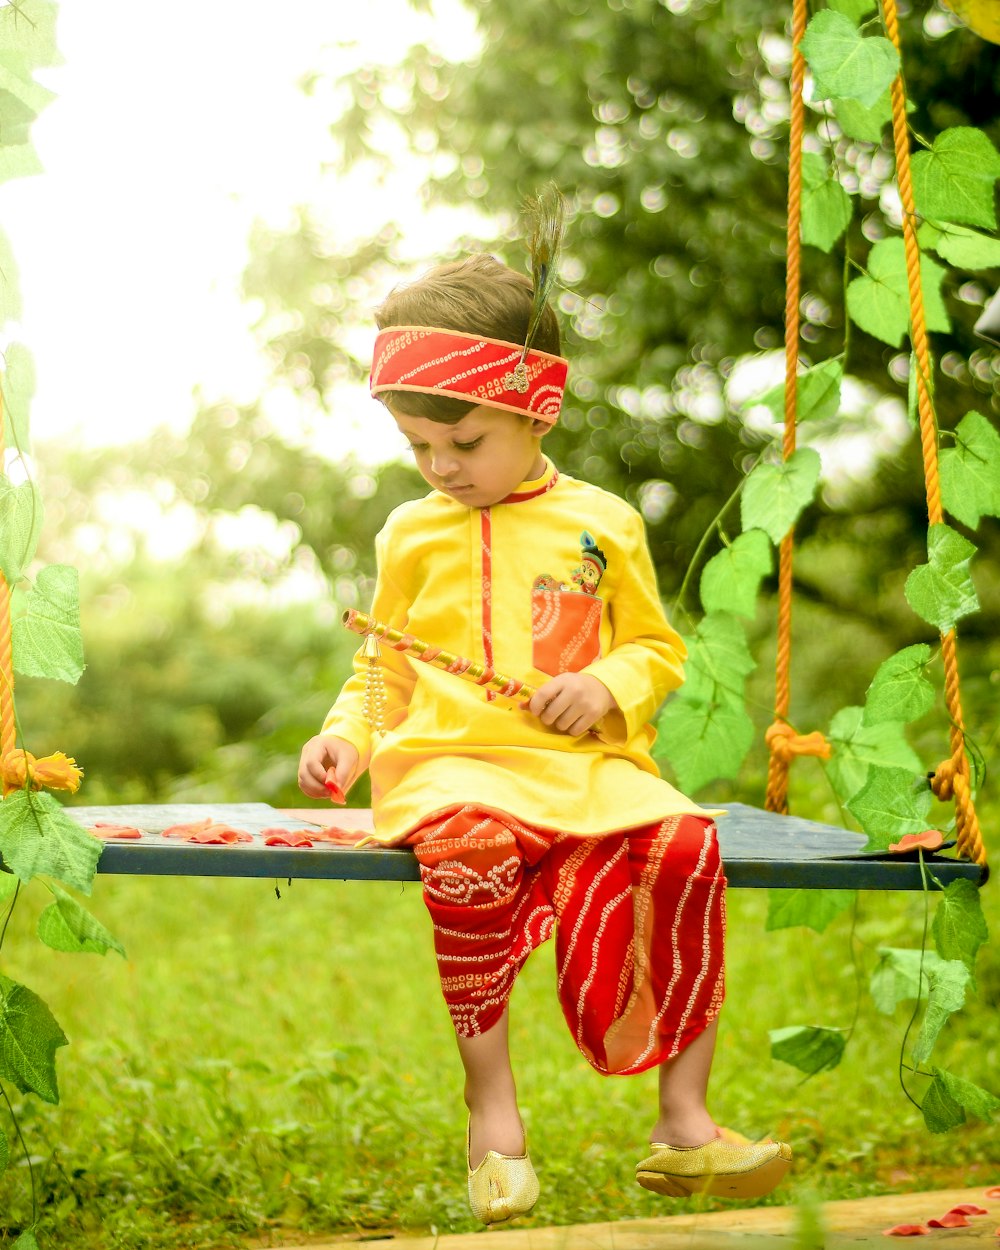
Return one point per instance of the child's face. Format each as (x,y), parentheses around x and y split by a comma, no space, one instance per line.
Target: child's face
(479,460)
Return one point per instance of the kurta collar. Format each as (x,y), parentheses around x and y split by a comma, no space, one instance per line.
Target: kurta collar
(539,486)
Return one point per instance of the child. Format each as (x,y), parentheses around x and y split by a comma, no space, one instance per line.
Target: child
(549,817)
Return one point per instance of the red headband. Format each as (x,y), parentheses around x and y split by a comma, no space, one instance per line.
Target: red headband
(466,366)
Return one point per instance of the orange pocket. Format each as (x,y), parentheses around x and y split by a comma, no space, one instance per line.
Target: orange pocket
(565,630)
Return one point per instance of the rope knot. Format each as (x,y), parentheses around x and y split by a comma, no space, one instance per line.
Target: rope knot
(785,744)
(944,778)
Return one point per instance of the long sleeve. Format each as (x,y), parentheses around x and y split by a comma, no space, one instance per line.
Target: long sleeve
(346,719)
(646,659)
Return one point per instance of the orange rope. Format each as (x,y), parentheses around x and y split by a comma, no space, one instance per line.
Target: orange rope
(8,729)
(784,744)
(951,779)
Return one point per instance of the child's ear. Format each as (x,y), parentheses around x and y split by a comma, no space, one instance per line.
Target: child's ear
(540,427)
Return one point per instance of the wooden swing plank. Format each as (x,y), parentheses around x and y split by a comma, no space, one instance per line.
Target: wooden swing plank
(760,850)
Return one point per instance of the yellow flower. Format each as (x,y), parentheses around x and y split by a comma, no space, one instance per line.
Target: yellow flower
(56,772)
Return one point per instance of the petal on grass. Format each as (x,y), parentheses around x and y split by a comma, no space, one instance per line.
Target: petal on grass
(953,1219)
(905,1230)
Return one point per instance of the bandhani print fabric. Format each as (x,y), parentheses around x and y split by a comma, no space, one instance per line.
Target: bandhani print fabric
(471,367)
(638,918)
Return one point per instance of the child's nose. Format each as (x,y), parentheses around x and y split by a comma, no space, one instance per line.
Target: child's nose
(444,464)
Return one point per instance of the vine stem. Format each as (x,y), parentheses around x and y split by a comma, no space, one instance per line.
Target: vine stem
(710,529)
(27,1155)
(920,979)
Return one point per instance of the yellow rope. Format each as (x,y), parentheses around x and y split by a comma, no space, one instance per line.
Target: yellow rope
(951,778)
(783,743)
(8,730)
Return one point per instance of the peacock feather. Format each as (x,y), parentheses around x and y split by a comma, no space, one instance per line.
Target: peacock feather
(544,217)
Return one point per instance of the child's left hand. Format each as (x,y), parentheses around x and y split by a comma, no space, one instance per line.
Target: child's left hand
(572,703)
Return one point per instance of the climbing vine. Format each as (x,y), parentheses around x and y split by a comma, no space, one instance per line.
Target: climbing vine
(39,637)
(875,774)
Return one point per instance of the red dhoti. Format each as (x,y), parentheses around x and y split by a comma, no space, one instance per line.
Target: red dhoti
(639,920)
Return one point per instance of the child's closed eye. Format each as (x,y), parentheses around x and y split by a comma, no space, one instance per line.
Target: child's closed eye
(468,446)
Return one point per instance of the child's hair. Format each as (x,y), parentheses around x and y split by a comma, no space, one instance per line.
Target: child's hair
(474,296)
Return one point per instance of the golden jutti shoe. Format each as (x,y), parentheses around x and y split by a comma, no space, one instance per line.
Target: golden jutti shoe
(502,1186)
(725,1167)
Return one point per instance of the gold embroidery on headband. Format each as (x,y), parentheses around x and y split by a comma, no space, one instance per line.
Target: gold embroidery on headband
(518,379)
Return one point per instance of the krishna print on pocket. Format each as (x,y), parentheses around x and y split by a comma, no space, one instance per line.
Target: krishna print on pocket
(566,617)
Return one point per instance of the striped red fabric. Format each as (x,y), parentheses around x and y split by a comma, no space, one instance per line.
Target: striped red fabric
(638,917)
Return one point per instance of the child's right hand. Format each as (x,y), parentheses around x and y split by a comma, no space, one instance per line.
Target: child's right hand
(319,755)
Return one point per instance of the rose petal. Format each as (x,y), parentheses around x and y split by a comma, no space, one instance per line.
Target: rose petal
(993,1192)
(930,840)
(229,833)
(905,1230)
(103,829)
(954,1219)
(333,789)
(186,831)
(340,837)
(286,837)
(968,1208)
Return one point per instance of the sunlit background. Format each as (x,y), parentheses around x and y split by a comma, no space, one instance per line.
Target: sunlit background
(170,135)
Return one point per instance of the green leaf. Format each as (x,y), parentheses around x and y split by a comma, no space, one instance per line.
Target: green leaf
(4,1152)
(892,801)
(731,580)
(20,526)
(8,884)
(718,661)
(856,747)
(959,924)
(47,641)
(899,690)
(846,65)
(953,181)
(949,1098)
(702,741)
(66,926)
(21,100)
(18,390)
(29,1039)
(858,121)
(879,301)
(826,206)
(948,980)
(775,494)
(17,162)
(897,977)
(38,837)
(941,1112)
(10,288)
(817,394)
(941,592)
(970,471)
(27,1241)
(809,1048)
(28,33)
(812,908)
(959,246)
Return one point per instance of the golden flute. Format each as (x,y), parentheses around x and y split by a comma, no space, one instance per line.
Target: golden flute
(471,670)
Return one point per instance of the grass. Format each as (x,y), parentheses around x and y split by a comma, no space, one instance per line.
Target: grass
(261,1068)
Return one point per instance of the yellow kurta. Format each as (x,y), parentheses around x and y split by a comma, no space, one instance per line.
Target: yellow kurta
(462,579)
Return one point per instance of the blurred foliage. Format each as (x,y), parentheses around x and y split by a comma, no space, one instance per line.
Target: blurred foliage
(665,124)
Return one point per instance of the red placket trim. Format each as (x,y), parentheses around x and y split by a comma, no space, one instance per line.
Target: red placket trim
(486,543)
(486,537)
